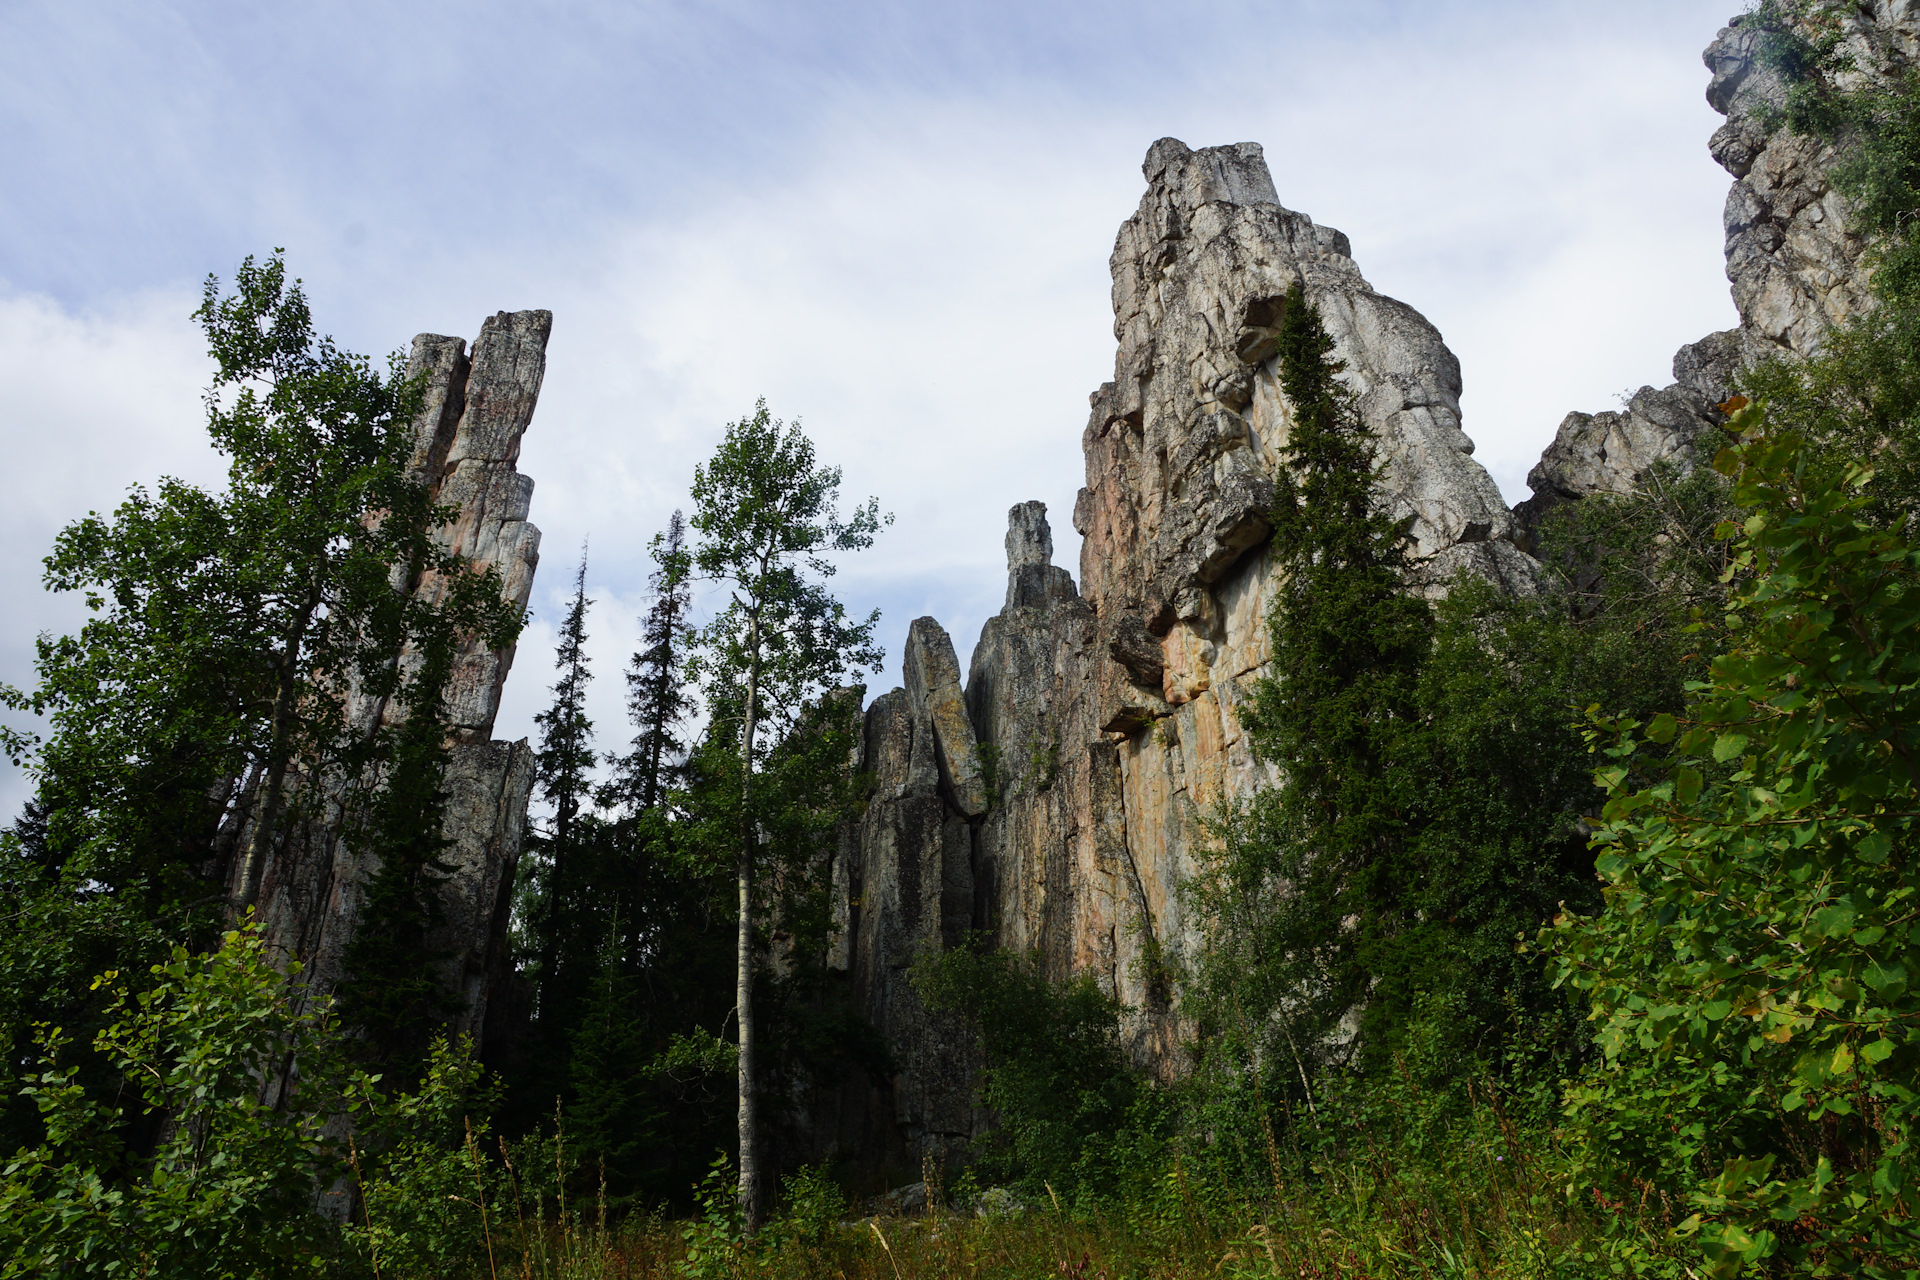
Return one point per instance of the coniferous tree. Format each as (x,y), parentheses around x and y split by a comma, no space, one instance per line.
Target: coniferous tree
(657,698)
(561,770)
(1432,774)
(1340,714)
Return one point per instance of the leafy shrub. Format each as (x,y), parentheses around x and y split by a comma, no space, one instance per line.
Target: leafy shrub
(1752,972)
(228,1186)
(1073,1112)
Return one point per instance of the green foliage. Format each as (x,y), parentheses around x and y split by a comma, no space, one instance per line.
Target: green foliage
(988,754)
(200,715)
(429,1196)
(618,926)
(1340,712)
(716,1239)
(236,1177)
(562,902)
(1070,1107)
(658,702)
(227,1186)
(815,1204)
(1859,396)
(1750,972)
(1043,764)
(1432,779)
(766,524)
(775,782)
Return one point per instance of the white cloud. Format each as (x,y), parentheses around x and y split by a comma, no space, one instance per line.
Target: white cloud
(90,404)
(902,242)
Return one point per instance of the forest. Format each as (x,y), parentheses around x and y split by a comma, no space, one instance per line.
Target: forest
(1574,939)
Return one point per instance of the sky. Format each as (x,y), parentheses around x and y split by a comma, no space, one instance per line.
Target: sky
(891,220)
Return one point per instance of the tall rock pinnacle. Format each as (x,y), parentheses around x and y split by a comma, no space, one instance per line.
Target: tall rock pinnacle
(1105,719)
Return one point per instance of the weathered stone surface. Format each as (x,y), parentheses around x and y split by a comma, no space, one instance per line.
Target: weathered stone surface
(1182,447)
(1111,714)
(1795,268)
(1110,722)
(903,886)
(1182,444)
(1608,452)
(933,686)
(467,440)
(478,475)
(1029,536)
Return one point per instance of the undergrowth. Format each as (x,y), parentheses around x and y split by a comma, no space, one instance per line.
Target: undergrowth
(1490,1207)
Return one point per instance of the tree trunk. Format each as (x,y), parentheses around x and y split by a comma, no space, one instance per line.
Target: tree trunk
(743,1011)
(290,679)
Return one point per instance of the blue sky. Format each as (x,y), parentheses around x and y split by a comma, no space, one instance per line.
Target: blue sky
(892,220)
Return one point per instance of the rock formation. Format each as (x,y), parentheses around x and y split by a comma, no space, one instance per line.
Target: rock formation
(1795,268)
(1062,812)
(467,440)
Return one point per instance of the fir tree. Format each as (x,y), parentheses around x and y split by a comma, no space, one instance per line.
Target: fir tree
(1432,777)
(1340,713)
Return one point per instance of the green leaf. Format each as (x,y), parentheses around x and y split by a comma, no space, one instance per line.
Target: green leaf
(1686,784)
(1729,745)
(1873,848)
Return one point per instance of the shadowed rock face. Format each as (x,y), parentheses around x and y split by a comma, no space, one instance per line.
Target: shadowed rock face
(1103,721)
(467,440)
(1795,269)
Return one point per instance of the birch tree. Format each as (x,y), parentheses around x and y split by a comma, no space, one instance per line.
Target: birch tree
(766,522)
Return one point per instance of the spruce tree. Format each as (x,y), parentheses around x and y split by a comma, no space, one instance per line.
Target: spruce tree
(1340,712)
(561,771)
(657,699)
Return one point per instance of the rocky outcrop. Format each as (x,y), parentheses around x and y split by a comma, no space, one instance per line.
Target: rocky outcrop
(1135,716)
(475,408)
(1795,268)
(903,886)
(1064,813)
(1105,719)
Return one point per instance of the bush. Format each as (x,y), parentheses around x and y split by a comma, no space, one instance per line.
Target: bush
(1751,973)
(1074,1113)
(228,1186)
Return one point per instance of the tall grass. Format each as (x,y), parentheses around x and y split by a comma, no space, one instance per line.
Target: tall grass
(1485,1199)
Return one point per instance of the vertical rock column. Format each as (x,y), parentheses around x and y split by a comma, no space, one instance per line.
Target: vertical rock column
(1182,451)
(903,888)
(467,441)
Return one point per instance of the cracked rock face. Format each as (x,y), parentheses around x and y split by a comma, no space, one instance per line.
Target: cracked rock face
(1104,720)
(1795,269)
(903,885)
(467,436)
(1182,444)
